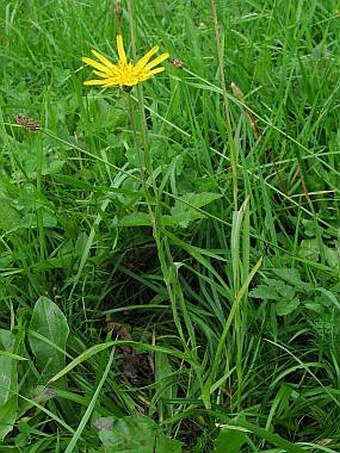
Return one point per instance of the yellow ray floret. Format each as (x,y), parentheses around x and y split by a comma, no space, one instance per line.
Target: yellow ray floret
(124,73)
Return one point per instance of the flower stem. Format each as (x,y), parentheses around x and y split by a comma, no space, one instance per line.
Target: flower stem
(168,267)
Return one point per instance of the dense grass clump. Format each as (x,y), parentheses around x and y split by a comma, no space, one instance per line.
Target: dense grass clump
(169,254)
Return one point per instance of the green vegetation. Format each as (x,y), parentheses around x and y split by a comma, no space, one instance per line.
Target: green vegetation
(169,256)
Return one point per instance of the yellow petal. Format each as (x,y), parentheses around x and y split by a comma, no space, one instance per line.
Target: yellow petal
(103,75)
(121,51)
(94,82)
(157,60)
(95,64)
(101,58)
(116,84)
(156,71)
(110,84)
(110,72)
(143,61)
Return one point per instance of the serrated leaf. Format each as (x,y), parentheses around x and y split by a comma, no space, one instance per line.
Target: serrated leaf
(264,292)
(49,323)
(287,292)
(279,285)
(285,307)
(291,276)
(332,256)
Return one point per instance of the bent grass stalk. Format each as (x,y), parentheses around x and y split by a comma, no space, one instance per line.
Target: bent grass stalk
(232,145)
(209,386)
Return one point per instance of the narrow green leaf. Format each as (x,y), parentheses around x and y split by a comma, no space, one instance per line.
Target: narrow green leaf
(137,219)
(76,436)
(102,346)
(11,356)
(272,438)
(80,359)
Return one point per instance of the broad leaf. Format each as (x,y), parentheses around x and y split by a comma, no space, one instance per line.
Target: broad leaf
(135,435)
(230,440)
(50,324)
(8,384)
(8,416)
(185,209)
(194,200)
(10,217)
(167,445)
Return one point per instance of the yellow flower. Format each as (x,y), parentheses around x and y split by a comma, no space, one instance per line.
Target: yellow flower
(124,73)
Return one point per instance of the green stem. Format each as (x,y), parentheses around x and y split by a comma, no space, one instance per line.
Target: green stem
(168,268)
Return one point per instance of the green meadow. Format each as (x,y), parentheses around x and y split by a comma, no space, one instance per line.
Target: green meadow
(169,252)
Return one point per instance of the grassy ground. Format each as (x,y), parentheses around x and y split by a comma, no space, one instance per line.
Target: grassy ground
(194,305)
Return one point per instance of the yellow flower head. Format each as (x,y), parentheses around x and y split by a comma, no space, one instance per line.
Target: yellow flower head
(124,73)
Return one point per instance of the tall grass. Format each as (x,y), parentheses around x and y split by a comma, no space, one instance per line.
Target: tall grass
(170,256)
